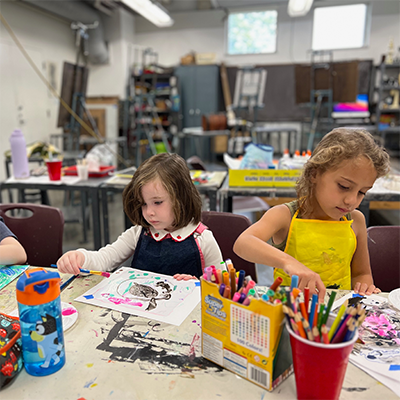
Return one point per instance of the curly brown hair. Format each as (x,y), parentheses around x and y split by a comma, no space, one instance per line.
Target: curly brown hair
(339,145)
(173,173)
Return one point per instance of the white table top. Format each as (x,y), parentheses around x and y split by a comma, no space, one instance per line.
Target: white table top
(110,355)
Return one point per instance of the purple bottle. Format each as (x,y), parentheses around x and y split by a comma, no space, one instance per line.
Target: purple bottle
(19,157)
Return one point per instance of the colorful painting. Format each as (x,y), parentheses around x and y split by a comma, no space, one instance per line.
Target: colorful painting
(155,296)
(9,272)
(377,351)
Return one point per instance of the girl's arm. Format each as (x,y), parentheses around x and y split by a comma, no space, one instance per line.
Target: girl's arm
(252,246)
(11,251)
(105,259)
(361,275)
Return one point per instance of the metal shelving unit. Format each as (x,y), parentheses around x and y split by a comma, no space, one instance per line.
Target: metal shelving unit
(388,88)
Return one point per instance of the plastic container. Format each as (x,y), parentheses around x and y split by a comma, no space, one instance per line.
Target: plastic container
(319,368)
(39,305)
(54,169)
(19,156)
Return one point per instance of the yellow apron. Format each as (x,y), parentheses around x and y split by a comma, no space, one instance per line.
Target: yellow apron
(325,247)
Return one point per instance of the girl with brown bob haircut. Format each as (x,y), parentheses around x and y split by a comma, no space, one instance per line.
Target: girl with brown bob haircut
(321,237)
(167,237)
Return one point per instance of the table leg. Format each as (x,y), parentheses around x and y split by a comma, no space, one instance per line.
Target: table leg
(212,196)
(106,228)
(96,218)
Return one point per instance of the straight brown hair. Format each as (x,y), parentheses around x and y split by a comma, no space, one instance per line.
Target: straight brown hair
(172,171)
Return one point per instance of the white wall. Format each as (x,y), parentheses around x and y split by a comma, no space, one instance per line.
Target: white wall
(25,101)
(205,32)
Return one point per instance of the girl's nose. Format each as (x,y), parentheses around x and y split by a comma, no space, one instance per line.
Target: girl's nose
(350,198)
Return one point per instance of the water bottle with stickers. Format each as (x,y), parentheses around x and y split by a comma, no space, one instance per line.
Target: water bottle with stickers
(40,315)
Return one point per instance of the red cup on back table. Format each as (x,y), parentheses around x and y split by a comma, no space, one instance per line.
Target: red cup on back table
(319,368)
(54,169)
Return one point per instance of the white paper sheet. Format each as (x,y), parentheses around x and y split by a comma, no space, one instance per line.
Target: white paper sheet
(154,296)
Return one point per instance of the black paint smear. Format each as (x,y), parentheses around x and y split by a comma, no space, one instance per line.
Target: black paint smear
(149,350)
(353,301)
(355,389)
(334,286)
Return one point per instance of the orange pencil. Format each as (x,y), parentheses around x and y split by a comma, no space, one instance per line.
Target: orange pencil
(303,311)
(300,326)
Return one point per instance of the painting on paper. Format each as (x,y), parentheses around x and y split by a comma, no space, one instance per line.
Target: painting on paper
(9,272)
(146,294)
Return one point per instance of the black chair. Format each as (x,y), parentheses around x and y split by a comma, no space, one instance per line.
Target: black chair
(226,228)
(384,255)
(41,234)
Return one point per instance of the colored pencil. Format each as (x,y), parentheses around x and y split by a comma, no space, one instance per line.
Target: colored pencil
(300,326)
(315,317)
(324,333)
(306,327)
(338,318)
(320,316)
(303,310)
(306,292)
(315,332)
(328,307)
(341,330)
(314,301)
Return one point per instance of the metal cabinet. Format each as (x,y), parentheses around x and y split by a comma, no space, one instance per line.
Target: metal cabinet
(201,93)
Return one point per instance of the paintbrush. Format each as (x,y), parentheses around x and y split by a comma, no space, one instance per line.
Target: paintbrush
(86,271)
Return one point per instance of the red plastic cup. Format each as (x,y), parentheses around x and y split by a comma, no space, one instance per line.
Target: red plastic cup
(319,368)
(54,169)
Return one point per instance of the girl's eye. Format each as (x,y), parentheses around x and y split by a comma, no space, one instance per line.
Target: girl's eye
(158,203)
(343,187)
(362,193)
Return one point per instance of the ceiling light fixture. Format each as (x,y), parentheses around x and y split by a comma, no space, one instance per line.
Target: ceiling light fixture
(299,8)
(153,12)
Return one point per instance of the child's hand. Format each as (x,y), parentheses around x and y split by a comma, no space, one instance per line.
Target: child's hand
(364,288)
(184,277)
(70,262)
(307,278)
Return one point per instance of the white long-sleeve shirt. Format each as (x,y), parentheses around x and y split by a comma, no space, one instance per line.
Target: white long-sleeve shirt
(113,255)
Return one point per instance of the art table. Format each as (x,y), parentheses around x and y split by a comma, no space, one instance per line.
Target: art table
(110,355)
(88,189)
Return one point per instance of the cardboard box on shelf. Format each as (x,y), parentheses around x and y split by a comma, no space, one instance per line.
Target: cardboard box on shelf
(205,58)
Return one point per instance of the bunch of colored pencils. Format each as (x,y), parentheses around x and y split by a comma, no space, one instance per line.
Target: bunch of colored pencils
(235,286)
(310,321)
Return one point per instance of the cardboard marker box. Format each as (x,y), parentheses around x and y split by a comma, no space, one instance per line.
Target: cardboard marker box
(249,341)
